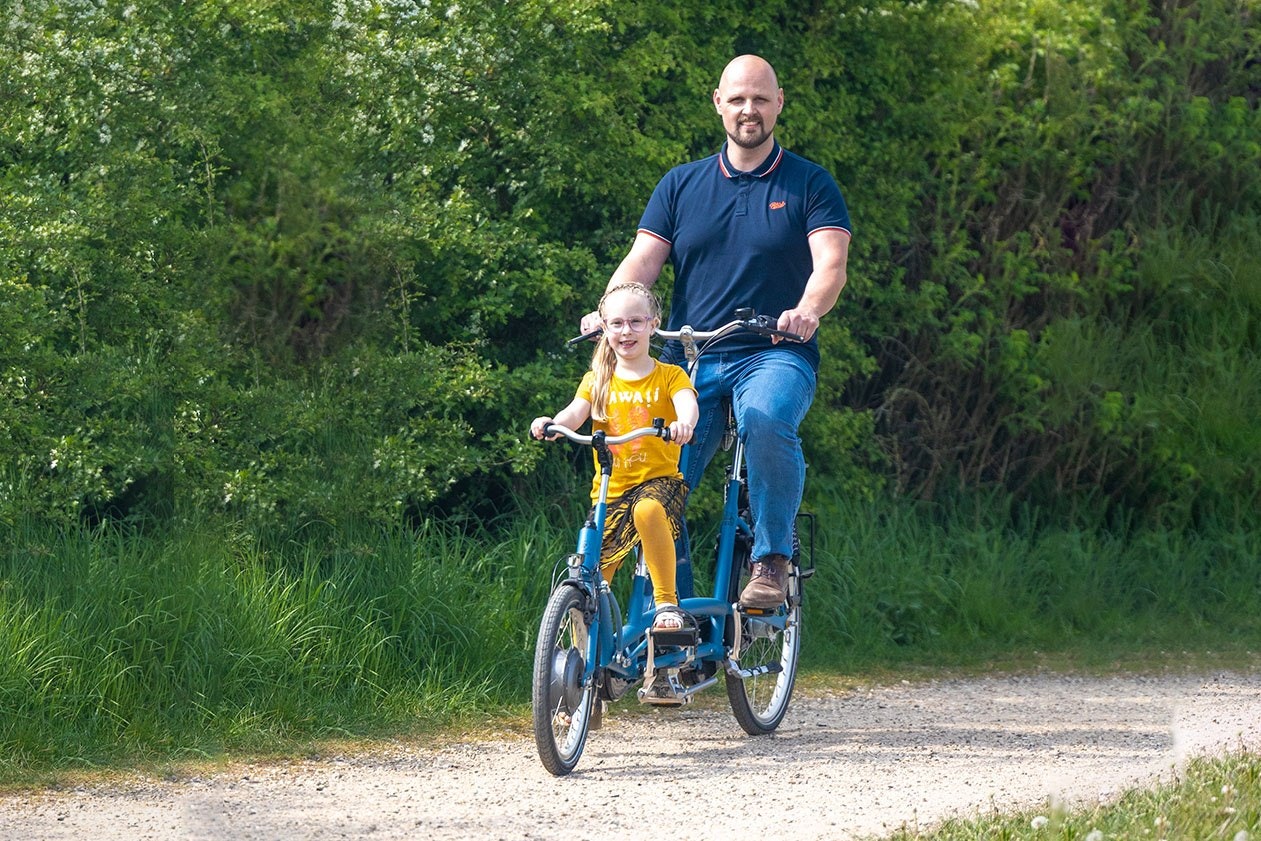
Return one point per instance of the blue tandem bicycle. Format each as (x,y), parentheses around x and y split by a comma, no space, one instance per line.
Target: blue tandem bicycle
(587,654)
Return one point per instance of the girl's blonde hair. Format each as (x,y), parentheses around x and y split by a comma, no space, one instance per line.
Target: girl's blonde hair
(604,360)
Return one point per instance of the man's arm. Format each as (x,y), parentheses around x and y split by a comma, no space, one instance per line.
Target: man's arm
(829,250)
(644,263)
(641,265)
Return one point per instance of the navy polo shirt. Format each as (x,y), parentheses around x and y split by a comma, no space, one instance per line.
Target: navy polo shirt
(741,239)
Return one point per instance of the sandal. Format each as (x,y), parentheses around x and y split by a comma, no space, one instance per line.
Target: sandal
(670,618)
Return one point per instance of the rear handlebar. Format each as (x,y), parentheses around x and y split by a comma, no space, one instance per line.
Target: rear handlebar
(745,321)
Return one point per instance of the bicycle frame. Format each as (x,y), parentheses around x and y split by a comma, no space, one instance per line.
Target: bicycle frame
(611,648)
(623,648)
(586,654)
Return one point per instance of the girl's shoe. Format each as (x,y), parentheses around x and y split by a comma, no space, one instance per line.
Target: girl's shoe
(670,618)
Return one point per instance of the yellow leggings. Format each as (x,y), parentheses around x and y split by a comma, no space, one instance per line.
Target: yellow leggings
(655,541)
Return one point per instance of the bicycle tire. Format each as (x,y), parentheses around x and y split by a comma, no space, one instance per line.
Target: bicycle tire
(562,704)
(760,703)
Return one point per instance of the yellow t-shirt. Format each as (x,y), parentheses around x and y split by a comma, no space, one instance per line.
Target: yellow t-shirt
(632,404)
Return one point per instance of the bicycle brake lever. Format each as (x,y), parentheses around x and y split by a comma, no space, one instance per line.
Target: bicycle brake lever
(765,325)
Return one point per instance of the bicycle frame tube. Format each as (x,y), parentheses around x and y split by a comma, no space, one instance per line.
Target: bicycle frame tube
(719,606)
(591,537)
(600,639)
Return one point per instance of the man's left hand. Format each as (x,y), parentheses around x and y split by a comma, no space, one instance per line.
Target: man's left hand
(801,321)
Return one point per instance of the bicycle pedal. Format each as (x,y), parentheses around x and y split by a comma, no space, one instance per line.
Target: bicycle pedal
(757,611)
(665,691)
(683,638)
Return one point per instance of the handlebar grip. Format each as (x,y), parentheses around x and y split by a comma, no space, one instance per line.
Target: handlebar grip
(585,337)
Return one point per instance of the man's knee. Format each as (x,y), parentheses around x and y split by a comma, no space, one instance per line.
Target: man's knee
(765,423)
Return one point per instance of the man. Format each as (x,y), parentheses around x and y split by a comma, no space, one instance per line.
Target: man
(752,226)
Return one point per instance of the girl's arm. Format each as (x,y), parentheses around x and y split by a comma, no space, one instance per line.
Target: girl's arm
(573,416)
(689,414)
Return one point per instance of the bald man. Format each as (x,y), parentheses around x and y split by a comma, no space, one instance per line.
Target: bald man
(751,226)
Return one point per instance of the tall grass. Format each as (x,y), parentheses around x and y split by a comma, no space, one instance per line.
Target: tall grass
(117,646)
(982,577)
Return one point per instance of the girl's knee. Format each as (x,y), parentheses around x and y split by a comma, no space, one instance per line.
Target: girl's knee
(648,512)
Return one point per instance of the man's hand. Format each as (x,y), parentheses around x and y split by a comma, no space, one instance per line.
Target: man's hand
(801,321)
(590,323)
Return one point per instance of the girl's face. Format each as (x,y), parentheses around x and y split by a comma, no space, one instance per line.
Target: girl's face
(628,324)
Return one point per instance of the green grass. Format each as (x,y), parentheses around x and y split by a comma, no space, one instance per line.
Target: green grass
(1210,799)
(123,649)
(965,585)
(118,648)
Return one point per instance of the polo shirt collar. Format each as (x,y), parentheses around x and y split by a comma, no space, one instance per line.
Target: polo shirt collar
(766,168)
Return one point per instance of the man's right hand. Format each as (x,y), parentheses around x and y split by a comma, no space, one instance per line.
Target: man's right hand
(590,323)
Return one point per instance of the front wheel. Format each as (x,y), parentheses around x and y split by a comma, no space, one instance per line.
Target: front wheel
(562,700)
(761,701)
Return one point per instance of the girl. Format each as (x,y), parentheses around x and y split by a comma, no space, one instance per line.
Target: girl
(626,388)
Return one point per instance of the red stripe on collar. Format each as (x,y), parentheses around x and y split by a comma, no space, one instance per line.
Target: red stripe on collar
(779,156)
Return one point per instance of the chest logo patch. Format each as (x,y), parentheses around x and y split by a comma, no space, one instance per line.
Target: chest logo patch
(778,205)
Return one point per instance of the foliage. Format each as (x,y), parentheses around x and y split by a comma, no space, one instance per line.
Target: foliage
(116,646)
(1099,141)
(225,636)
(218,213)
(281,285)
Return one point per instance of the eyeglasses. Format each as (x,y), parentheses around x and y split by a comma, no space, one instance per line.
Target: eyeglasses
(637,324)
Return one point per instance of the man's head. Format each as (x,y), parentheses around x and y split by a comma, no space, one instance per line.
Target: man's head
(749,99)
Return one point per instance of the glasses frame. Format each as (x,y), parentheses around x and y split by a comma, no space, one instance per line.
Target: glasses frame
(646,322)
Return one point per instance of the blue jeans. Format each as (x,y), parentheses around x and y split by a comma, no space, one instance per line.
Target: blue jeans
(770,391)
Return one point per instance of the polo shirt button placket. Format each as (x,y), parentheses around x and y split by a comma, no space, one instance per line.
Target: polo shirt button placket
(742,197)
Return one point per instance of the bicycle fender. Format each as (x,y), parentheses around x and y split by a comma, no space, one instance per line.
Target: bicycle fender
(588,598)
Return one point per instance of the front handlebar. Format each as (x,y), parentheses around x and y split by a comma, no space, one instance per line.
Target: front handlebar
(658,430)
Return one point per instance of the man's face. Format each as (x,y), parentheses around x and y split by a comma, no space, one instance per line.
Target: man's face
(749,102)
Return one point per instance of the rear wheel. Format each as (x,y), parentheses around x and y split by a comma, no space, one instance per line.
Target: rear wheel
(562,701)
(760,701)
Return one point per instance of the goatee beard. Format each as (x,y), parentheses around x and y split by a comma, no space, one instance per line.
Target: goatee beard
(745,141)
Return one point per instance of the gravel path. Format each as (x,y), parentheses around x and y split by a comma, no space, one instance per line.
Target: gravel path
(842,765)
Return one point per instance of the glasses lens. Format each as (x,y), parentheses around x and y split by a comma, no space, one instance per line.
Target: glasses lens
(638,324)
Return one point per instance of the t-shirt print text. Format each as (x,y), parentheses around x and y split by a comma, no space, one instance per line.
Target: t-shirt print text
(652,395)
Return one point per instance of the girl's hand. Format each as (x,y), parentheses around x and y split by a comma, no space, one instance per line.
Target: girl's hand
(536,426)
(680,432)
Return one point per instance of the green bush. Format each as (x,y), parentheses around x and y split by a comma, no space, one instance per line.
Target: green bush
(216,215)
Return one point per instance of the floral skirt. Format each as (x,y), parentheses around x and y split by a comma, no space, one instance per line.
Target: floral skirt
(620,535)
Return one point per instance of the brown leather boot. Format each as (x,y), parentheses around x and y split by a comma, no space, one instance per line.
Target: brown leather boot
(768,586)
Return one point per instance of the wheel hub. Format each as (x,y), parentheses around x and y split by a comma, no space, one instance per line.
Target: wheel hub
(566,684)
